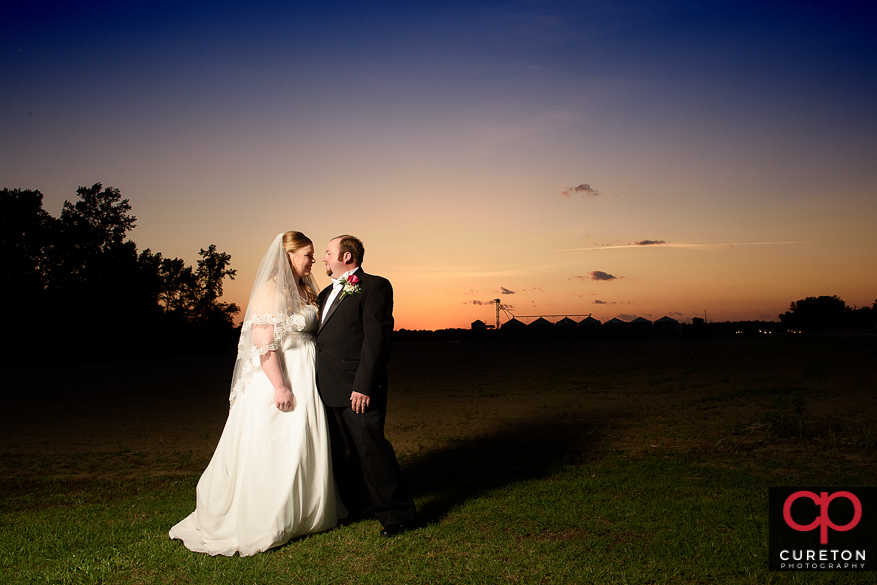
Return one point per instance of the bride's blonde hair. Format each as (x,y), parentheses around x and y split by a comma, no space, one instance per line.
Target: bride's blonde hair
(292,242)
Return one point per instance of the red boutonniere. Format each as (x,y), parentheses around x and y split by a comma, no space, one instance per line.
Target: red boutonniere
(351,287)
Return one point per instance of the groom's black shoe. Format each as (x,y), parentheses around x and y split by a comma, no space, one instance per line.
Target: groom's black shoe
(394,529)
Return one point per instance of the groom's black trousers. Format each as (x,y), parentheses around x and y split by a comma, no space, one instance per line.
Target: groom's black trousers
(365,466)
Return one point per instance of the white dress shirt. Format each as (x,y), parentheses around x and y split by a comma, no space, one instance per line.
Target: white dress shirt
(337,285)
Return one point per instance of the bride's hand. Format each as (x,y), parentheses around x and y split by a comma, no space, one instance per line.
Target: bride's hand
(283,399)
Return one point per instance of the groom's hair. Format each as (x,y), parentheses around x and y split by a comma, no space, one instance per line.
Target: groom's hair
(352,245)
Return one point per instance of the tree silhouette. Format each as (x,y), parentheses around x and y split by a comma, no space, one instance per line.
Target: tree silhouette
(192,296)
(81,275)
(816,313)
(213,268)
(93,275)
(25,235)
(100,218)
(171,282)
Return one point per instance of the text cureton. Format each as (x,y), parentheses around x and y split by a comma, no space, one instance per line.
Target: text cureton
(822,555)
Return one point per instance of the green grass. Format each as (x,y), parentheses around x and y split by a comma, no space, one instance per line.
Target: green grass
(662,518)
(648,469)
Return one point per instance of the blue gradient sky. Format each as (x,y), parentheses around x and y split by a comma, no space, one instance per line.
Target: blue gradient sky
(741,136)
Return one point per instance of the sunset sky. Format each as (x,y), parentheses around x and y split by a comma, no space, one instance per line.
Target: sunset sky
(618,159)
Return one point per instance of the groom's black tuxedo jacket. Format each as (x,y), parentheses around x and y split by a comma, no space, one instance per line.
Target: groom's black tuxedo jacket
(353,342)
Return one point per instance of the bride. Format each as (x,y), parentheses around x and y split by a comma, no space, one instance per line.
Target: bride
(270,478)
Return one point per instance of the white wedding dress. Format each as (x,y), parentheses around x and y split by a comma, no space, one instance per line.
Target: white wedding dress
(270,478)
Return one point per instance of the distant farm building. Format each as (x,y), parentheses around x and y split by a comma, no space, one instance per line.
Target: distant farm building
(640,327)
(541,329)
(479,329)
(615,328)
(590,328)
(667,327)
(565,329)
(513,330)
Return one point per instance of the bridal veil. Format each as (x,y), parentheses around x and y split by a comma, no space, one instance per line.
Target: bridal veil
(273,311)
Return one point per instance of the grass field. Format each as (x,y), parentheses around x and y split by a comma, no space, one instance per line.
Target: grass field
(625,461)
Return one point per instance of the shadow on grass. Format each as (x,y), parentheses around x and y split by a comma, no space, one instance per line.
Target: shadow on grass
(466,469)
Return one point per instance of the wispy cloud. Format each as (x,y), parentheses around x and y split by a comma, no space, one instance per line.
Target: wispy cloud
(666,245)
(582,189)
(506,306)
(600,275)
(444,273)
(505,291)
(595,275)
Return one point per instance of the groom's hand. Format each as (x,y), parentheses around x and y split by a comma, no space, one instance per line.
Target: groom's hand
(359,402)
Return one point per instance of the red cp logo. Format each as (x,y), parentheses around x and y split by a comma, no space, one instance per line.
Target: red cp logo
(823,521)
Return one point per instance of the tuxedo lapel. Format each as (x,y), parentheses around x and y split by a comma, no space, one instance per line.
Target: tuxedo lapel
(330,311)
(339,299)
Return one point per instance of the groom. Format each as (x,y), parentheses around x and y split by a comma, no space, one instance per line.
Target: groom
(353,347)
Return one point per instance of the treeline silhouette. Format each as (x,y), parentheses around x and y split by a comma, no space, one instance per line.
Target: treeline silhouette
(827,313)
(77,288)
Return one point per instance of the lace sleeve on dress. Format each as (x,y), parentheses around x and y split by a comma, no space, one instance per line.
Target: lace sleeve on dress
(266,333)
